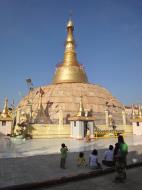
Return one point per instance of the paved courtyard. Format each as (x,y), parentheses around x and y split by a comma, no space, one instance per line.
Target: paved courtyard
(134,181)
(20,148)
(38,160)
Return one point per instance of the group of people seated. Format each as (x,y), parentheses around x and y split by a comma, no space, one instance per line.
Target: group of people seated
(93,159)
(114,156)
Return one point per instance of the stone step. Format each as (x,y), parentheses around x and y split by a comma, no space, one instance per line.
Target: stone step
(42,136)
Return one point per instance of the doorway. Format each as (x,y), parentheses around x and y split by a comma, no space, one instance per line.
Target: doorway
(85,128)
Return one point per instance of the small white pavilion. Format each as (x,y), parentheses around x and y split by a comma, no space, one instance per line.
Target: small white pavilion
(81,124)
(137,121)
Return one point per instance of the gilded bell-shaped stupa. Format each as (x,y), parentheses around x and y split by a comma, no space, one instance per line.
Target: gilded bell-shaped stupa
(70,71)
(67,96)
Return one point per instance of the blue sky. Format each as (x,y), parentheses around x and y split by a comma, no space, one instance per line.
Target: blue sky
(108,35)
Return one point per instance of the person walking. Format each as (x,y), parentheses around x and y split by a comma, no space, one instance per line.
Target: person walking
(121,160)
(63,151)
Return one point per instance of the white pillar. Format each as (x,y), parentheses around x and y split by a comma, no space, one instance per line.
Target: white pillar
(60,117)
(91,128)
(140,111)
(106,117)
(18,116)
(124,117)
(71,126)
(80,129)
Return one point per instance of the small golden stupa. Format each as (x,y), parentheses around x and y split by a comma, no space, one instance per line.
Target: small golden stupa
(5,113)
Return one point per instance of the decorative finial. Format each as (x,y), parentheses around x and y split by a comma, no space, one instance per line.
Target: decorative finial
(13,104)
(70,24)
(81,108)
(70,14)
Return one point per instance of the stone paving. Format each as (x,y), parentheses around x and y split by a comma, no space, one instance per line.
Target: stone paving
(134,181)
(38,160)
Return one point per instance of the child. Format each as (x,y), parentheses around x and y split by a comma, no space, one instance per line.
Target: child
(81,160)
(63,151)
(108,158)
(93,160)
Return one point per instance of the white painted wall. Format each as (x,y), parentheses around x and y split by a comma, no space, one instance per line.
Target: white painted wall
(137,130)
(6,129)
(77,131)
(135,124)
(91,128)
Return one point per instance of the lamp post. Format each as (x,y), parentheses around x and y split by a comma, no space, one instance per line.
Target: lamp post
(13,117)
(29,84)
(30,88)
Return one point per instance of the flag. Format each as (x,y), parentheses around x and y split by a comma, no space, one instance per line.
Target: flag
(41,91)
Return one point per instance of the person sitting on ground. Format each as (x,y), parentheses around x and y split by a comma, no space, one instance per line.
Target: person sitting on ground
(63,151)
(93,160)
(108,158)
(81,162)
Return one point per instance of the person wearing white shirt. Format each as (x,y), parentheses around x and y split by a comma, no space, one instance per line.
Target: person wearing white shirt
(108,157)
(93,160)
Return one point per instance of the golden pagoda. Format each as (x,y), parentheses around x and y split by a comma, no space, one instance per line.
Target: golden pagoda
(61,99)
(70,71)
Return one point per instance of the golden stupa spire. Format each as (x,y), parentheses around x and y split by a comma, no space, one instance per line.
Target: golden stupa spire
(70,54)
(5,109)
(81,108)
(70,70)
